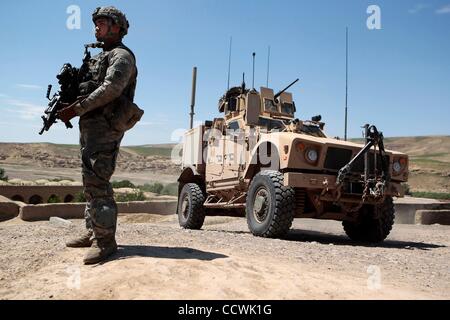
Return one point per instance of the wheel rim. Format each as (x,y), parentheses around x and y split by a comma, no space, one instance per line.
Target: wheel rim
(260,205)
(185,206)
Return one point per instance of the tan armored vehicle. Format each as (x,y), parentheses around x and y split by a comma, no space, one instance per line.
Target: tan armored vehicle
(260,162)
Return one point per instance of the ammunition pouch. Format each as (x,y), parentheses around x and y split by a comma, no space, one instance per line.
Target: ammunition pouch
(123,114)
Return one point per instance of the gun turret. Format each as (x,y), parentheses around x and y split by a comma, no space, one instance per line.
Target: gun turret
(281,92)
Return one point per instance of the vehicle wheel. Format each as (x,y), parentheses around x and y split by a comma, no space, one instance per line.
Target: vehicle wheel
(191,213)
(270,206)
(374,222)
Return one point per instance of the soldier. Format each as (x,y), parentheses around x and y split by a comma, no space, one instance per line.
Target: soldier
(109,87)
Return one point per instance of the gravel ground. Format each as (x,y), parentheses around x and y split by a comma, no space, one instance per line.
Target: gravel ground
(158,260)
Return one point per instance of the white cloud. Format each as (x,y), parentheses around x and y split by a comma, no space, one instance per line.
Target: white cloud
(418,7)
(2,95)
(444,10)
(25,109)
(29,86)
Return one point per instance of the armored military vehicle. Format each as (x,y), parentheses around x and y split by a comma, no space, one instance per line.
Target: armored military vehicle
(260,162)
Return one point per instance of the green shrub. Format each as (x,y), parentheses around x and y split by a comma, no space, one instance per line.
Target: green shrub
(122,184)
(155,187)
(79,197)
(431,195)
(138,195)
(2,175)
(170,189)
(54,199)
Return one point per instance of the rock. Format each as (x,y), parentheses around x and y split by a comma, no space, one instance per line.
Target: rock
(59,222)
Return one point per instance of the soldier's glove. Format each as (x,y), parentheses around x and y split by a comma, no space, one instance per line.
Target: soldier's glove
(67,113)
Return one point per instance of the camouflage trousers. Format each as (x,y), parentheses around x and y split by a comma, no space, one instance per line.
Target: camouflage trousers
(99,150)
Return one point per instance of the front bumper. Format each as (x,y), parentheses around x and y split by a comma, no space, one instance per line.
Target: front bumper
(324,181)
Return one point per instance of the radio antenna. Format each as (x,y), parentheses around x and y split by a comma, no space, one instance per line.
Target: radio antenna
(268,64)
(253,80)
(194,85)
(229,64)
(346,82)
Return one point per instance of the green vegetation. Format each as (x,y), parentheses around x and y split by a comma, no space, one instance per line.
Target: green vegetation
(170,189)
(155,187)
(123,184)
(79,197)
(151,151)
(431,195)
(431,155)
(54,199)
(2,175)
(138,195)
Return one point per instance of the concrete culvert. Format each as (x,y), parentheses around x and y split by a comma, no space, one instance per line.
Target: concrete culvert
(17,198)
(68,198)
(36,199)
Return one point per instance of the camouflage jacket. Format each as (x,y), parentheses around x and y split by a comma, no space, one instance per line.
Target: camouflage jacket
(114,74)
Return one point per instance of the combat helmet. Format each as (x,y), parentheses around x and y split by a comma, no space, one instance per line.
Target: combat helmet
(113,13)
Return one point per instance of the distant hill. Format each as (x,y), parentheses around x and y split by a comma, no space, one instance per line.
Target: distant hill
(429,158)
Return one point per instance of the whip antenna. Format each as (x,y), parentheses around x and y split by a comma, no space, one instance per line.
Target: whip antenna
(194,85)
(253,80)
(229,63)
(268,63)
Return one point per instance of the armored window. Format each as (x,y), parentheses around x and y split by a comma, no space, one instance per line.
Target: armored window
(233,130)
(287,108)
(234,125)
(270,124)
(269,105)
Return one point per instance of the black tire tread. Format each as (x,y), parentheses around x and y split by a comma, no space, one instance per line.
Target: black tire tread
(196,216)
(284,207)
(372,230)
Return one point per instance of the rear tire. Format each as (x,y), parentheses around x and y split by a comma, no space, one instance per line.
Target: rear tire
(270,206)
(373,224)
(191,213)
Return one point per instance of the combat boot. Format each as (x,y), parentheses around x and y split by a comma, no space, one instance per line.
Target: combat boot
(83,241)
(100,250)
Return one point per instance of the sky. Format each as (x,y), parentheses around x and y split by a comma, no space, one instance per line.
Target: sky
(399,72)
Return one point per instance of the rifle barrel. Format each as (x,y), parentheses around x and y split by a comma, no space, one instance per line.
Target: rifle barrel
(280,92)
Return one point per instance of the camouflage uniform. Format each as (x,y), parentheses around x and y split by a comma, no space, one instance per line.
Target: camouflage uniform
(114,71)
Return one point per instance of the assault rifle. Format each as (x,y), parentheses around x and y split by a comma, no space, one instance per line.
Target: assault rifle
(69,79)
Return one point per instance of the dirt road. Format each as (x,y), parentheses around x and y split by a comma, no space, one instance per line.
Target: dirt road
(158,260)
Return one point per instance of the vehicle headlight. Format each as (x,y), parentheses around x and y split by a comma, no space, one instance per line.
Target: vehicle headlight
(397,167)
(311,155)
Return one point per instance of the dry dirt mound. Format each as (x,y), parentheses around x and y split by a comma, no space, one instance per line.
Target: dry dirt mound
(46,155)
(158,260)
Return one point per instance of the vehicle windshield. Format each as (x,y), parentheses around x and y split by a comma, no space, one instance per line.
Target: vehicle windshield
(312,130)
(308,128)
(270,124)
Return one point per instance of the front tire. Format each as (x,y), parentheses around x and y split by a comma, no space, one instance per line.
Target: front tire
(191,213)
(270,206)
(373,224)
